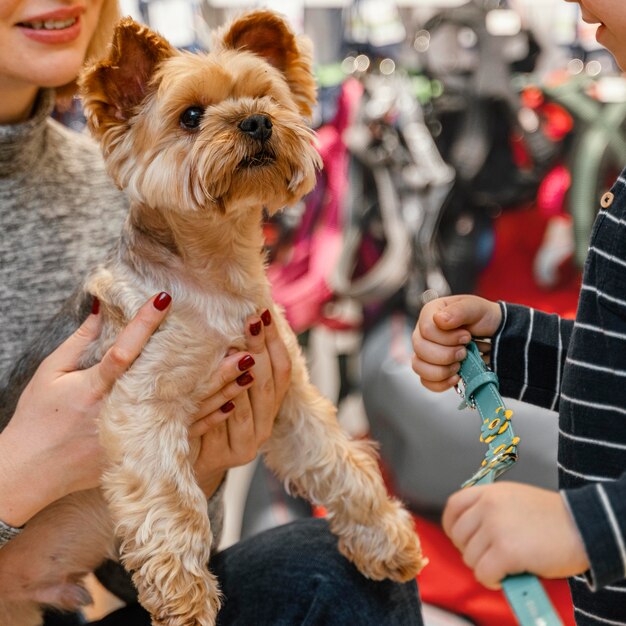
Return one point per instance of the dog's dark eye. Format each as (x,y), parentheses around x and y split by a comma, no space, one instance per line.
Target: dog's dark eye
(190,118)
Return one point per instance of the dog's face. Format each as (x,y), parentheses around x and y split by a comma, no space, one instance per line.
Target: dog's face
(206,132)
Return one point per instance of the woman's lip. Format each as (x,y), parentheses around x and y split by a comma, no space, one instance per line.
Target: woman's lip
(62,35)
(62,13)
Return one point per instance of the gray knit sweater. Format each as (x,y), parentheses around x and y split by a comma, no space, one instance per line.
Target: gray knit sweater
(59,214)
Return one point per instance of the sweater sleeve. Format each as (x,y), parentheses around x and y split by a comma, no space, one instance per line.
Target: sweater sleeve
(599,511)
(528,354)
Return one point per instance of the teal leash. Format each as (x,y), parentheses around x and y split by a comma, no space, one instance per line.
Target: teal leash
(524,592)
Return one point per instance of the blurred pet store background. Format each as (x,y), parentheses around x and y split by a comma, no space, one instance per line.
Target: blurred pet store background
(465,147)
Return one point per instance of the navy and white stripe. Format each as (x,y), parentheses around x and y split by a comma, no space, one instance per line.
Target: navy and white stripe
(579,368)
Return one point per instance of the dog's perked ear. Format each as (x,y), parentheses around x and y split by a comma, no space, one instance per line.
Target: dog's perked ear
(114,87)
(269,36)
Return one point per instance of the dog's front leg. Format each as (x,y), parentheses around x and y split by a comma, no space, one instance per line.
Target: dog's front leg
(310,452)
(159,511)
(315,457)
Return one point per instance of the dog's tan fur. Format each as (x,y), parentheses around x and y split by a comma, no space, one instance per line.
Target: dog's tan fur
(194,230)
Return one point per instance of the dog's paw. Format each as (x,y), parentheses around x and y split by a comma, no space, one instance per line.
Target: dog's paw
(205,620)
(191,601)
(387,548)
(195,616)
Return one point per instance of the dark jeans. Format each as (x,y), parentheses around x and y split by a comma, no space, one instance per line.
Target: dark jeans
(294,575)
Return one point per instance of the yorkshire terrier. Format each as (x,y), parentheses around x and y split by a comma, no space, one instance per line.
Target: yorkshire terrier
(202,144)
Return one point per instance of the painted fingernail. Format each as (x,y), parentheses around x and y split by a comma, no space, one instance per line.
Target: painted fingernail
(255,328)
(227,407)
(245,363)
(162,301)
(266,317)
(244,379)
(95,306)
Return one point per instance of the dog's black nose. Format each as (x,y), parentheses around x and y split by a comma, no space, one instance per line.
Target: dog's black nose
(259,127)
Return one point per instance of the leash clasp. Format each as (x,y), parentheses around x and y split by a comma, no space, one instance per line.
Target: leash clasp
(467,403)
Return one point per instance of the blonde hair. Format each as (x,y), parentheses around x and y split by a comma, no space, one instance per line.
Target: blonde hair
(109,16)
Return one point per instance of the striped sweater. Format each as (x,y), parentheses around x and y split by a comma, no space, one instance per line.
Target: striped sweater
(578,368)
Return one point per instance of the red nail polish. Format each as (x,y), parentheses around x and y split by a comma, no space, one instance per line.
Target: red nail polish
(245,363)
(266,317)
(95,306)
(255,328)
(162,301)
(244,379)
(227,407)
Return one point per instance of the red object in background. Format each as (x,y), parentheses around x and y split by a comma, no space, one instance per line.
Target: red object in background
(509,274)
(552,192)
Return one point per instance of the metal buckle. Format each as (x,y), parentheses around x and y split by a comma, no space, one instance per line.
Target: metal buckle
(469,402)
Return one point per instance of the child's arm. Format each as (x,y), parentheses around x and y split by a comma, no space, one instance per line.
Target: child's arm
(528,354)
(599,511)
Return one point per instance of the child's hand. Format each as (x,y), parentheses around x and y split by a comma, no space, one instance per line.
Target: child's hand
(445,326)
(509,528)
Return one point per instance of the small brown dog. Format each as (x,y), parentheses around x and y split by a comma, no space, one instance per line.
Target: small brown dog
(201,144)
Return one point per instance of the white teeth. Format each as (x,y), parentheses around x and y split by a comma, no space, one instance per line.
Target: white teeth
(51,24)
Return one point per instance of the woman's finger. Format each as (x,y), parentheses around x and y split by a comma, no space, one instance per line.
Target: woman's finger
(263,393)
(465,527)
(279,358)
(232,377)
(226,400)
(242,441)
(214,455)
(202,425)
(130,342)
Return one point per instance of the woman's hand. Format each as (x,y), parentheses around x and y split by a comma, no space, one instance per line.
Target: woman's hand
(235,421)
(50,447)
(445,326)
(53,431)
(509,528)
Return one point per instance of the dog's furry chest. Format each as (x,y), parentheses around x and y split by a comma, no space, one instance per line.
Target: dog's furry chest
(183,355)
